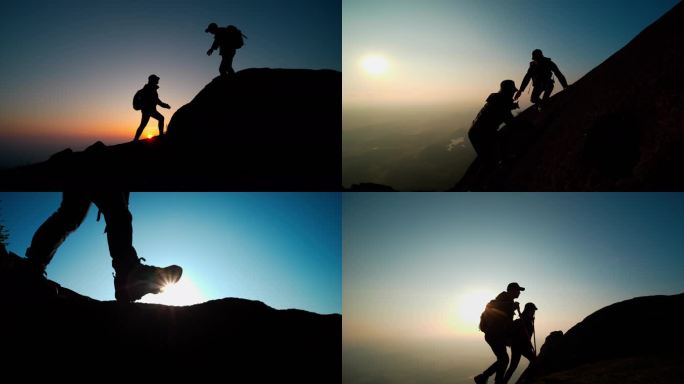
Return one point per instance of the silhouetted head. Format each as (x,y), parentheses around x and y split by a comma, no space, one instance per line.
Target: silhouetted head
(514,289)
(530,307)
(537,54)
(508,86)
(153,79)
(212,28)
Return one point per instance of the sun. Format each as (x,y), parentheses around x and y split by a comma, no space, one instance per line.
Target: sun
(184,292)
(149,135)
(469,307)
(375,65)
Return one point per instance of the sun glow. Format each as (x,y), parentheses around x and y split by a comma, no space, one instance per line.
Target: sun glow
(149,135)
(184,292)
(469,307)
(375,65)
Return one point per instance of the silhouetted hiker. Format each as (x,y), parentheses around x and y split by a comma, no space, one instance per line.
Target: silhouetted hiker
(496,322)
(521,344)
(146,100)
(133,279)
(541,73)
(226,40)
(484,133)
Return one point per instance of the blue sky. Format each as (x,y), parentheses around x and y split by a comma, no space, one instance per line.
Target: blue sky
(457,52)
(280,248)
(411,258)
(69,68)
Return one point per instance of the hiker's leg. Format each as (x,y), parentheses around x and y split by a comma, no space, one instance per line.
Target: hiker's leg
(52,233)
(160,121)
(536,92)
(498,346)
(491,370)
(532,357)
(515,359)
(143,122)
(548,90)
(119,229)
(226,67)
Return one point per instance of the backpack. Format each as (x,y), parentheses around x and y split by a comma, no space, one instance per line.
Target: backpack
(138,99)
(493,319)
(235,37)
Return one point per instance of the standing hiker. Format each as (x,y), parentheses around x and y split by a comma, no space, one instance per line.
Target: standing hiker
(496,322)
(521,343)
(226,40)
(484,134)
(541,73)
(146,101)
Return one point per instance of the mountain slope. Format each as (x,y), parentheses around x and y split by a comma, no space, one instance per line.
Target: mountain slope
(620,127)
(263,129)
(638,340)
(230,337)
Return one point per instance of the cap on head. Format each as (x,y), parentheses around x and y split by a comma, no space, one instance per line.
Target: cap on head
(153,78)
(514,286)
(530,307)
(211,28)
(537,54)
(508,85)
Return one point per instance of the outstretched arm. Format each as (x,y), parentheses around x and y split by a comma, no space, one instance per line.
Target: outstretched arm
(163,104)
(526,80)
(559,75)
(214,47)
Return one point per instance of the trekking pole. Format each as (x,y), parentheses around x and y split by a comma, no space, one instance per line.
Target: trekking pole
(534,336)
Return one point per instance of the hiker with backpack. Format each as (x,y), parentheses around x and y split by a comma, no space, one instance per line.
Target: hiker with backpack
(484,134)
(541,73)
(226,40)
(496,322)
(521,343)
(133,279)
(146,101)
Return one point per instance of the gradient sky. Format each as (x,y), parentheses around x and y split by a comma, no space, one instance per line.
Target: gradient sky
(457,52)
(279,248)
(69,68)
(411,259)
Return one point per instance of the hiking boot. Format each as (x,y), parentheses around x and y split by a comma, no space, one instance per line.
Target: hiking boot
(30,280)
(480,379)
(141,279)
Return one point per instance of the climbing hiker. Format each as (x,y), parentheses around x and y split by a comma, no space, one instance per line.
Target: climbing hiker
(133,279)
(541,73)
(496,322)
(521,343)
(146,101)
(226,40)
(484,134)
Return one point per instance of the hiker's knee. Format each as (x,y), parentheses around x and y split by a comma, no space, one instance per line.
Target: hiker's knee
(71,212)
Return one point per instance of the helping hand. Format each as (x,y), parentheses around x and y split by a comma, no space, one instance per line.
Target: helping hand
(517,95)
(166,106)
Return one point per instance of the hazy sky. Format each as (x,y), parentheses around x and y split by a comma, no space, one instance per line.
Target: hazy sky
(69,68)
(421,266)
(458,51)
(279,248)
